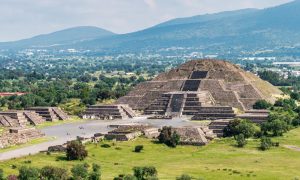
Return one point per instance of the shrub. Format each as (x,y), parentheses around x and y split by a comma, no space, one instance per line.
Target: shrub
(262,104)
(105,146)
(12,177)
(79,171)
(54,173)
(96,173)
(265,143)
(295,96)
(138,148)
(76,151)
(169,137)
(240,139)
(28,173)
(125,177)
(143,173)
(1,174)
(184,177)
(276,127)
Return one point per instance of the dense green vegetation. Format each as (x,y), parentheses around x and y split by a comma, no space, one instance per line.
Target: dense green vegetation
(43,91)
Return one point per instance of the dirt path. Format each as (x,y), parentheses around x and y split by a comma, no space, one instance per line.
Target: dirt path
(295,148)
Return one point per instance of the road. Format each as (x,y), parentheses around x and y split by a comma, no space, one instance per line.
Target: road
(67,132)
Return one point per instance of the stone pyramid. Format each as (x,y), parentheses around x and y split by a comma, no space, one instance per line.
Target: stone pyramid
(200,83)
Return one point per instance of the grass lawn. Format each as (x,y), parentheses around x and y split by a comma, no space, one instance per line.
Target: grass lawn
(73,119)
(218,160)
(32,142)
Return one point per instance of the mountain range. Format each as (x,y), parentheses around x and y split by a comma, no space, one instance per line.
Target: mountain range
(241,29)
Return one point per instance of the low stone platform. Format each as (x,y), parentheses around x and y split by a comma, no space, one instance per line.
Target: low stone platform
(191,136)
(24,117)
(218,126)
(19,135)
(49,113)
(130,132)
(121,111)
(7,121)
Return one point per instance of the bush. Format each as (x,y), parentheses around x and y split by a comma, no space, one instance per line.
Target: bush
(240,139)
(28,173)
(76,151)
(143,173)
(54,173)
(125,177)
(138,148)
(105,146)
(265,143)
(96,173)
(276,127)
(79,171)
(169,137)
(239,126)
(12,177)
(262,104)
(184,177)
(295,96)
(1,174)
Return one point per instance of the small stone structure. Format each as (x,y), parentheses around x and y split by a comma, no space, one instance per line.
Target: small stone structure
(50,113)
(23,117)
(130,132)
(19,135)
(7,121)
(104,112)
(218,126)
(192,136)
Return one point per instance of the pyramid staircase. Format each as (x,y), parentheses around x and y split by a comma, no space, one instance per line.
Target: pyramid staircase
(7,121)
(48,113)
(60,114)
(159,106)
(18,116)
(33,117)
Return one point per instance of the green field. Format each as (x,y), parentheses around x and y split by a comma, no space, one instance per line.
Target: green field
(218,160)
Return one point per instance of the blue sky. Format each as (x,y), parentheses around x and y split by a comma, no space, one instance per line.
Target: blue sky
(26,18)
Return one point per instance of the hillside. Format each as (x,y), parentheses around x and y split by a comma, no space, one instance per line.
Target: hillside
(63,37)
(239,30)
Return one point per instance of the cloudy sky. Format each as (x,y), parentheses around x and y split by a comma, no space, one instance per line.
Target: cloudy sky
(26,18)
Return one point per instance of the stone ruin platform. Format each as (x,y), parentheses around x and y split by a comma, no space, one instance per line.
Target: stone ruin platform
(120,111)
(22,118)
(19,135)
(130,132)
(255,116)
(49,113)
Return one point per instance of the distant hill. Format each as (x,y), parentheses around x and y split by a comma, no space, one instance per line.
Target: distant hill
(242,29)
(63,37)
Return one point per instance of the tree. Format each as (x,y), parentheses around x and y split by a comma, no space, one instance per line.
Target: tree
(265,143)
(79,171)
(96,173)
(53,173)
(169,137)
(261,104)
(295,96)
(239,126)
(76,151)
(240,139)
(144,173)
(28,173)
(276,127)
